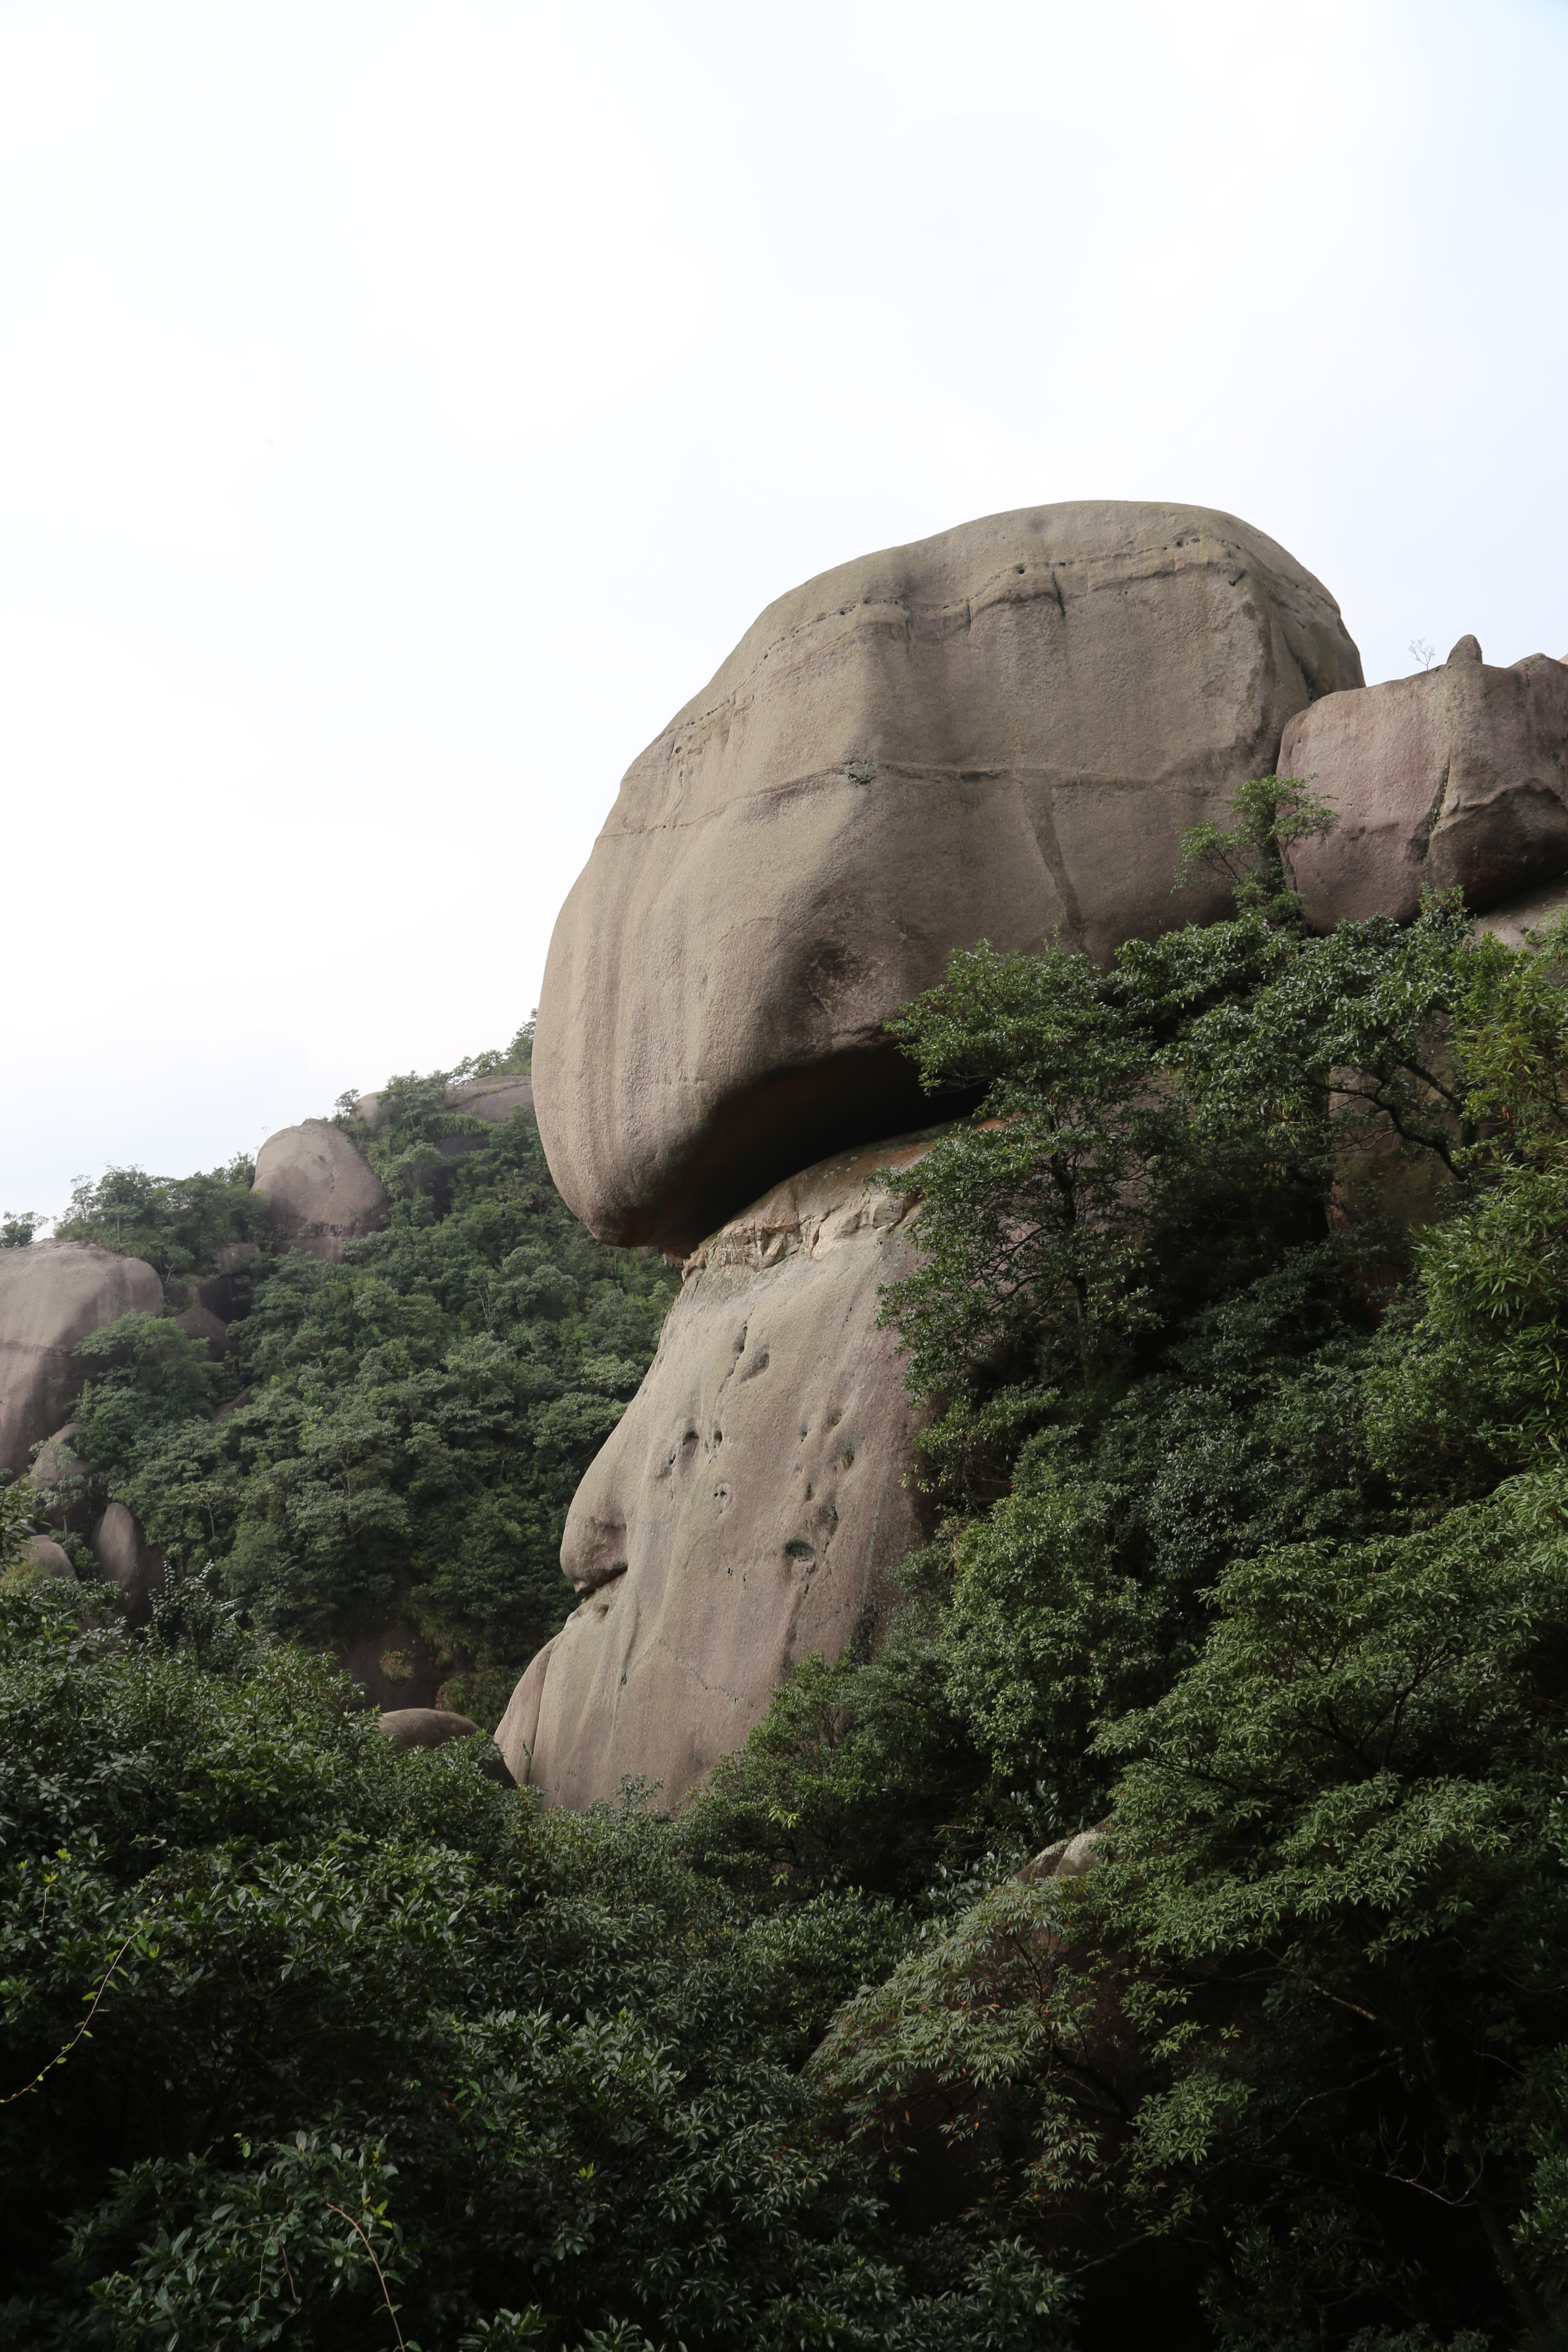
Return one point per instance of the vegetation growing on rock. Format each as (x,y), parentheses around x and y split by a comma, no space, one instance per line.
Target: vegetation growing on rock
(1253,1554)
(398,1433)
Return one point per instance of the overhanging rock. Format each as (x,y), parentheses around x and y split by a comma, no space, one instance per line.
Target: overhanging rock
(994,733)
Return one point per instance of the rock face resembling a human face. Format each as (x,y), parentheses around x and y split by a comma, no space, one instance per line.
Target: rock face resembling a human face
(750,1508)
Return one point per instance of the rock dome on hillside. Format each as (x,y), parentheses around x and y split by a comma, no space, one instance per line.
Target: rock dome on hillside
(998,732)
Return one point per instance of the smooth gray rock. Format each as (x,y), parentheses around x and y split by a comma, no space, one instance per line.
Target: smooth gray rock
(492,1099)
(1455,775)
(424,1726)
(998,733)
(319,1190)
(52,1294)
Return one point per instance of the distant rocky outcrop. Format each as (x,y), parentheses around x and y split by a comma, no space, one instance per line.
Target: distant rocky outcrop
(52,1294)
(319,1190)
(998,732)
(492,1099)
(751,1509)
(1457,775)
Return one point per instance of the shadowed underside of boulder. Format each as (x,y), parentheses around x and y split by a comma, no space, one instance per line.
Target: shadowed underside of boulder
(1525,915)
(750,1508)
(1455,775)
(52,1294)
(996,732)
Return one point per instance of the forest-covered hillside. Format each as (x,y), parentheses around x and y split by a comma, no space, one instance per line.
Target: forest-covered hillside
(1158,1933)
(390,1439)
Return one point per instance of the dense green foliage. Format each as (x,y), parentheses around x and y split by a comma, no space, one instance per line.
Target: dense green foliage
(178,1223)
(394,1437)
(370,2030)
(1256,1551)
(1252,1554)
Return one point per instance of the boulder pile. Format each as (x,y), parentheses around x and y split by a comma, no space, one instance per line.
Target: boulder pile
(999,733)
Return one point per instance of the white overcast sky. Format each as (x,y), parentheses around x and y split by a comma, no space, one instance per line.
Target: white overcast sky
(404,407)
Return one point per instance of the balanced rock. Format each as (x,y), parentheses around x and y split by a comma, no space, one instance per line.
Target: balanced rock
(1000,732)
(1455,775)
(319,1190)
(52,1294)
(749,1509)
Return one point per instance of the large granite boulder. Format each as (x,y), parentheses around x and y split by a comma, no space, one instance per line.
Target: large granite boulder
(319,1190)
(996,733)
(1455,775)
(750,1509)
(201,1324)
(52,1294)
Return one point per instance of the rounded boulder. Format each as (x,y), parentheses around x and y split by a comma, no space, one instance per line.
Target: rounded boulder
(320,1192)
(51,1557)
(1000,732)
